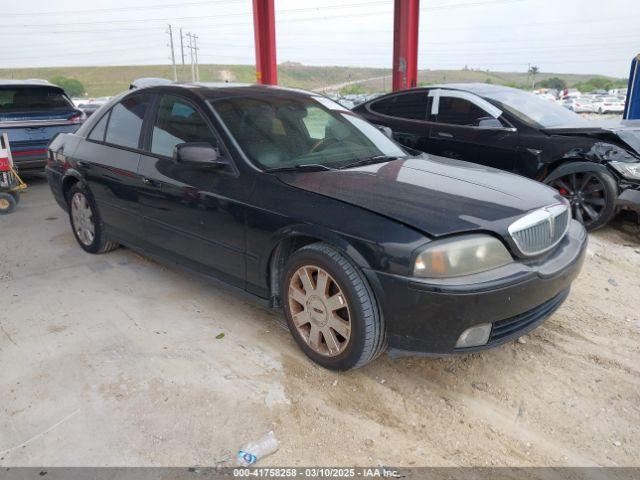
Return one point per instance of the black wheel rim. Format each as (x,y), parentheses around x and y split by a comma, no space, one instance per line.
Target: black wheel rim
(586,194)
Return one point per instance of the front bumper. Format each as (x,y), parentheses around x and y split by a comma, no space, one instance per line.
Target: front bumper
(425,317)
(629,199)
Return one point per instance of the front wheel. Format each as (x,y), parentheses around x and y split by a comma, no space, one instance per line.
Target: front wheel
(85,222)
(592,196)
(330,308)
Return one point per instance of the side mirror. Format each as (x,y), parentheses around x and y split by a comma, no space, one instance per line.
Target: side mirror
(386,130)
(198,154)
(490,123)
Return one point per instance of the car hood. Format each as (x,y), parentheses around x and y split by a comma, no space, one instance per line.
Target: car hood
(436,195)
(616,131)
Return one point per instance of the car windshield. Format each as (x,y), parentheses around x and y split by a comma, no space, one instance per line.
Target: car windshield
(277,131)
(18,99)
(534,110)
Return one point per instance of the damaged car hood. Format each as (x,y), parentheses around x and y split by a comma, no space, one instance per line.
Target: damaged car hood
(435,195)
(615,131)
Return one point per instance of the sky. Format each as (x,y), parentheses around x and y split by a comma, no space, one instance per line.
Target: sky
(570,36)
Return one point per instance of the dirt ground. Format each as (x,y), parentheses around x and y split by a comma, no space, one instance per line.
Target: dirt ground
(116,360)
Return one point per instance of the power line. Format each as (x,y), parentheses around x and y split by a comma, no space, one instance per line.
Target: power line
(121,9)
(294,10)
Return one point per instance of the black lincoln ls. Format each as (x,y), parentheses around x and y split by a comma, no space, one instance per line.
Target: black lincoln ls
(286,196)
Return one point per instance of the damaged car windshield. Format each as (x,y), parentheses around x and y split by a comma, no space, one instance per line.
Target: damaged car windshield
(277,132)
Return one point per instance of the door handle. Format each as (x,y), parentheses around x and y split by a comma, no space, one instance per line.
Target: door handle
(444,134)
(150,182)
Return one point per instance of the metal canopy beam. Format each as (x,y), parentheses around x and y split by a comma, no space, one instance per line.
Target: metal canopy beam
(264,27)
(405,43)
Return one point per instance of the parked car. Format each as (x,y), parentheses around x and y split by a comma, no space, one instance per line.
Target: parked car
(608,105)
(31,113)
(289,197)
(91,105)
(579,104)
(148,82)
(596,168)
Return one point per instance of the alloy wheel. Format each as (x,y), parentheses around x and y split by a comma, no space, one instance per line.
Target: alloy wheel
(319,310)
(586,194)
(82,218)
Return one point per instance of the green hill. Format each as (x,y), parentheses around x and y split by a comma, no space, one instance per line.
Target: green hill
(101,81)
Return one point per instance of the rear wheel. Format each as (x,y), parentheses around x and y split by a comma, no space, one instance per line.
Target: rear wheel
(592,196)
(7,203)
(85,222)
(330,308)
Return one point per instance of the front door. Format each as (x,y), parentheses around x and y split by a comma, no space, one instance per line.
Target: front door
(195,214)
(467,127)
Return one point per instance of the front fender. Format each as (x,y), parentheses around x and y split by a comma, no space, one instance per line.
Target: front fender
(326,235)
(574,167)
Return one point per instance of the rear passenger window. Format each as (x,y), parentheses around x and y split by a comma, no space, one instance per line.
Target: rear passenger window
(178,122)
(413,105)
(125,122)
(98,131)
(458,111)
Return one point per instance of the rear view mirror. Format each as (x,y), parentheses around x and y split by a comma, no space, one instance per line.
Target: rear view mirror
(199,154)
(386,130)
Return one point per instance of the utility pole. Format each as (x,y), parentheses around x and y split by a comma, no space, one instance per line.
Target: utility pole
(195,47)
(193,70)
(173,57)
(182,46)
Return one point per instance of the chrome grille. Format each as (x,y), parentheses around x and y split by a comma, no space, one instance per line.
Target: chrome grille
(540,230)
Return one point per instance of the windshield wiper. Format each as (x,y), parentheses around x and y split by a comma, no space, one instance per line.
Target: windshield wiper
(369,161)
(305,167)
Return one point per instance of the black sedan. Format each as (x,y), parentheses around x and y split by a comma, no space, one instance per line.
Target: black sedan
(286,196)
(597,169)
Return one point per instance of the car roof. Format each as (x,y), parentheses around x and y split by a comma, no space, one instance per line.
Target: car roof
(480,89)
(210,90)
(30,82)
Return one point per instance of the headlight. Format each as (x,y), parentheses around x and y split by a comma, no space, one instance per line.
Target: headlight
(461,256)
(630,171)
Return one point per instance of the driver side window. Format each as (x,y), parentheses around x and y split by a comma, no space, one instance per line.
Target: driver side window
(177,121)
(459,111)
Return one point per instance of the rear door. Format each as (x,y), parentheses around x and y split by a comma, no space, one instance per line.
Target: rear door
(406,114)
(109,159)
(195,214)
(467,127)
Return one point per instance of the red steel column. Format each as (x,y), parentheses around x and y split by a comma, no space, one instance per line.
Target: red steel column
(405,44)
(264,28)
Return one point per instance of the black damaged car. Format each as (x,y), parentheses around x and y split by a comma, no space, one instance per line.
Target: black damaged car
(596,168)
(286,196)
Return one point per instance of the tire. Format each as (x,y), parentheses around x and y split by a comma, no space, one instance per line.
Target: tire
(16,196)
(600,111)
(88,219)
(589,192)
(347,289)
(7,203)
